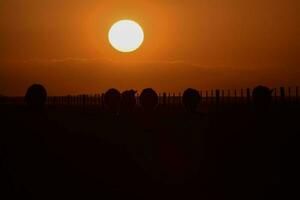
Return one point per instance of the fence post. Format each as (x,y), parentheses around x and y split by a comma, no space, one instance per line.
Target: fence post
(217,96)
(282,94)
(206,96)
(159,98)
(248,96)
(223,94)
(174,99)
(180,98)
(290,94)
(48,100)
(242,96)
(275,95)
(84,99)
(235,96)
(69,100)
(102,100)
(297,94)
(164,99)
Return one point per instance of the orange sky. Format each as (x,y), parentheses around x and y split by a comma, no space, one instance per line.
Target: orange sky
(191,43)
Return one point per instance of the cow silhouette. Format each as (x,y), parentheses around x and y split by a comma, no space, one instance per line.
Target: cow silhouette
(262,97)
(36,97)
(148,99)
(191,98)
(112,100)
(128,100)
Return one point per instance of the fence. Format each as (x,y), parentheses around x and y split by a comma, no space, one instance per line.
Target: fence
(217,96)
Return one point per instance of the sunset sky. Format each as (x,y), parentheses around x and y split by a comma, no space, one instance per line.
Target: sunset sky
(63,44)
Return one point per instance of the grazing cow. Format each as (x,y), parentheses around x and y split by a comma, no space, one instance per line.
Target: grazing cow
(36,97)
(262,97)
(148,99)
(128,101)
(191,99)
(112,100)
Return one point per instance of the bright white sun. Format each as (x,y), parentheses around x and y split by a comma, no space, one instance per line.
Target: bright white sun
(126,36)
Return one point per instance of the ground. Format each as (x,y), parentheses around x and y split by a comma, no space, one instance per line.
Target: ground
(220,152)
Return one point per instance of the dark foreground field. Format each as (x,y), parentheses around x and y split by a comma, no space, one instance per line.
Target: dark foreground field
(86,153)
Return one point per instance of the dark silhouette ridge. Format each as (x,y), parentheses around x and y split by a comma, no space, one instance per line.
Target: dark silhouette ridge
(112,100)
(2,99)
(262,97)
(191,98)
(148,99)
(159,153)
(128,101)
(36,97)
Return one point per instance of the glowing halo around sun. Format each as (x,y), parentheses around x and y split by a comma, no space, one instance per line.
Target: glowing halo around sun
(126,36)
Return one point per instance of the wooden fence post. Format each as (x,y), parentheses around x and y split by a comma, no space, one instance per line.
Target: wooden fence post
(102,100)
(180,98)
(164,99)
(97,100)
(159,98)
(242,96)
(248,96)
(138,99)
(174,99)
(201,95)
(223,95)
(290,94)
(69,100)
(217,96)
(282,94)
(228,96)
(297,94)
(235,96)
(275,95)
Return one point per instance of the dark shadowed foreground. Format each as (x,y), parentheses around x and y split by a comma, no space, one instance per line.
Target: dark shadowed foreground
(233,152)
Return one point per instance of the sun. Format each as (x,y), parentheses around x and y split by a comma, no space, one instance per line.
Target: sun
(126,36)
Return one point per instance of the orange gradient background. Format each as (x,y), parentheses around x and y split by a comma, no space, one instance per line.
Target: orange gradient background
(192,43)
